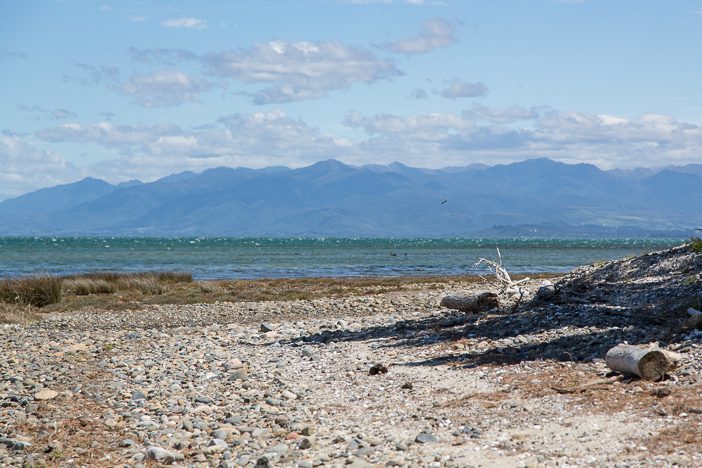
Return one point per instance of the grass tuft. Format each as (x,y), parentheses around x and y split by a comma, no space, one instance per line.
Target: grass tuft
(37,291)
(695,244)
(85,286)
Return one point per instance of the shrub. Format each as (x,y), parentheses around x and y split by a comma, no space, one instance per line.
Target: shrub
(696,244)
(37,291)
(143,284)
(115,277)
(85,286)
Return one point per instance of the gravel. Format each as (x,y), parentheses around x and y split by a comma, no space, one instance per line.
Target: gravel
(288,384)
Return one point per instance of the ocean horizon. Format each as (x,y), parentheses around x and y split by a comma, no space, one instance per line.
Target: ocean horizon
(270,257)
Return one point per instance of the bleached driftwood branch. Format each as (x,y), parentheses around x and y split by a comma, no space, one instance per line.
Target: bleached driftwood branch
(499,271)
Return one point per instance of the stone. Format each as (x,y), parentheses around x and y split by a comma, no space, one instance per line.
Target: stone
(160,455)
(45,394)
(239,374)
(280,449)
(378,369)
(14,444)
(305,444)
(425,438)
(267,327)
(138,395)
(127,443)
(546,292)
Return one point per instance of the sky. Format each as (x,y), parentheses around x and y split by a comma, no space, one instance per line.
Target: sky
(123,90)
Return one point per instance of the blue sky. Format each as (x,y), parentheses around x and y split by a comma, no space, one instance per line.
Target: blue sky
(135,89)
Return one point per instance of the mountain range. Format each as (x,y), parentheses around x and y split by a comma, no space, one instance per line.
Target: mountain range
(537,197)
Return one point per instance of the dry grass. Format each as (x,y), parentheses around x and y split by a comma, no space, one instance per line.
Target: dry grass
(38,291)
(121,291)
(19,314)
(85,286)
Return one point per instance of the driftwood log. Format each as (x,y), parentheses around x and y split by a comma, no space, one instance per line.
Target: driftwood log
(475,303)
(648,362)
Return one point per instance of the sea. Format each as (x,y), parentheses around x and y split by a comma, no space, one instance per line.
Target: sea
(238,258)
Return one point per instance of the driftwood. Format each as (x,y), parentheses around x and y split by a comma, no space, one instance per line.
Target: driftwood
(475,303)
(648,362)
(499,271)
(695,320)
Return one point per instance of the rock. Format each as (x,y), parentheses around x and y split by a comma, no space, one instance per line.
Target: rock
(216,445)
(545,292)
(359,463)
(305,444)
(45,394)
(14,444)
(476,303)
(267,327)
(378,369)
(263,462)
(160,455)
(407,386)
(75,348)
(280,449)
(239,374)
(425,438)
(138,395)
(126,443)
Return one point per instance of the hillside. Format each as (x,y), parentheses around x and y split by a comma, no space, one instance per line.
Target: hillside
(330,198)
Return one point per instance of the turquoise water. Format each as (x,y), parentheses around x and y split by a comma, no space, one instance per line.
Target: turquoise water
(217,258)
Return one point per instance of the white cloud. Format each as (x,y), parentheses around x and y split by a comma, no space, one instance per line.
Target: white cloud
(26,168)
(462,89)
(161,56)
(164,88)
(149,151)
(38,111)
(161,88)
(435,33)
(187,23)
(299,70)
(478,134)
(137,18)
(487,135)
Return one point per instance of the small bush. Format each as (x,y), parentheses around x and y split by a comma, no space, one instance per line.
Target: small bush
(142,284)
(83,287)
(696,244)
(38,291)
(115,277)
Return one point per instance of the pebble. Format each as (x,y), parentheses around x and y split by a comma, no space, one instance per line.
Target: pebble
(45,394)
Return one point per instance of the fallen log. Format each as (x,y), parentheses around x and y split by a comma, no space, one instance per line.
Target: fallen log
(648,362)
(476,303)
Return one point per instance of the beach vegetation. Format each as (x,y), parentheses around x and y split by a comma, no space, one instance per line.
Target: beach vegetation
(37,291)
(111,291)
(695,244)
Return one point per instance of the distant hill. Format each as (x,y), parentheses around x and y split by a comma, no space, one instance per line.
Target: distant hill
(537,197)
